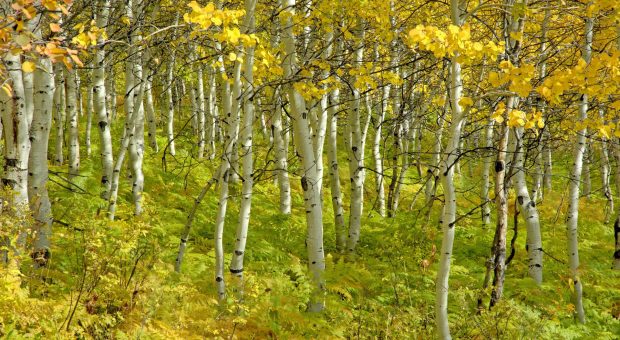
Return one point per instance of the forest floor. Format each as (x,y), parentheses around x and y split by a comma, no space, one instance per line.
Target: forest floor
(117,280)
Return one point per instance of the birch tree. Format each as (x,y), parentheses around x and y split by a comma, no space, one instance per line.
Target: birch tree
(236,264)
(99,95)
(72,116)
(304,144)
(574,178)
(447,181)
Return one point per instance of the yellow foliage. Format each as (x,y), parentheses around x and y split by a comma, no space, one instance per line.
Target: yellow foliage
(28,67)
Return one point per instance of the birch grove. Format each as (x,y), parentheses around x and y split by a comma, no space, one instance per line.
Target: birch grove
(247,130)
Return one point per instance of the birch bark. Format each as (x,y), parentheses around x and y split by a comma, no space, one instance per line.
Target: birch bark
(43,80)
(447,180)
(59,114)
(89,120)
(72,116)
(529,212)
(16,143)
(309,180)
(356,156)
(99,94)
(236,264)
(575,178)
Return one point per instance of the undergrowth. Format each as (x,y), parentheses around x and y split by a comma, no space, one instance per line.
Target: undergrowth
(116,279)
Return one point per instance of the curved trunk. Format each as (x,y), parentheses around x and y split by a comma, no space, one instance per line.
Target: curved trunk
(573,194)
(231,107)
(449,211)
(188,224)
(223,179)
(128,135)
(447,180)
(529,212)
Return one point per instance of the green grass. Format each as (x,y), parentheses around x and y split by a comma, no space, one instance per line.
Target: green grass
(383,294)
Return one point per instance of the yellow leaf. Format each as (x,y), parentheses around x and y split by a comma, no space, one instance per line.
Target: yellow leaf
(516,35)
(22,40)
(76,60)
(7,89)
(216,21)
(28,67)
(466,101)
(54,27)
(494,79)
(232,56)
(604,131)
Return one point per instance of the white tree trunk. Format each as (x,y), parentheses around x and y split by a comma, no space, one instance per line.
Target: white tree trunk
(133,134)
(16,143)
(231,112)
(130,125)
(356,157)
(548,162)
(136,141)
(528,210)
(488,160)
(72,116)
(447,180)
(150,114)
(59,114)
(136,155)
(37,163)
(430,190)
(575,178)
(605,166)
(410,131)
(309,180)
(281,155)
(236,264)
(212,115)
(99,94)
(497,260)
(376,149)
(233,158)
(28,78)
(587,181)
(537,191)
(200,103)
(89,120)
(170,102)
(334,175)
